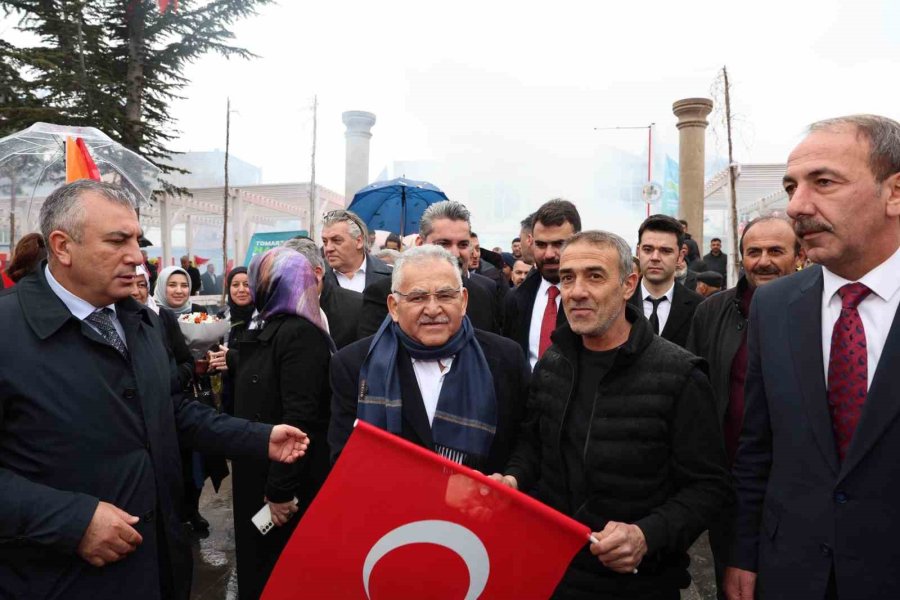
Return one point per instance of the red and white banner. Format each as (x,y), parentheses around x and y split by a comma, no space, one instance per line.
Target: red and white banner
(395,521)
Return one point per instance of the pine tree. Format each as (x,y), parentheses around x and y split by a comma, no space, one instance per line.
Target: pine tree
(117,65)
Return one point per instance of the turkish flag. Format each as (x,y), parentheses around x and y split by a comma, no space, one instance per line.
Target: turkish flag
(396,521)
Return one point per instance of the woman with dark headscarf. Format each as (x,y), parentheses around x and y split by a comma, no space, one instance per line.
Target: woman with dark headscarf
(240,311)
(282,377)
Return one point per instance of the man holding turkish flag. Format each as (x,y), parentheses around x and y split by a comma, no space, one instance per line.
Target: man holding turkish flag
(397,521)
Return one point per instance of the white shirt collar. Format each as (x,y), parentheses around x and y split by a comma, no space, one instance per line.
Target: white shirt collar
(670,293)
(81,309)
(882,280)
(545,285)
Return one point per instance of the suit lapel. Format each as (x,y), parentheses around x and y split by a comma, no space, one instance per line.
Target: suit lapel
(413,405)
(679,313)
(805,338)
(881,406)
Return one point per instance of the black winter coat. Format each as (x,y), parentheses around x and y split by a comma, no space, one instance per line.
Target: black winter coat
(78,424)
(717,331)
(654,455)
(282,377)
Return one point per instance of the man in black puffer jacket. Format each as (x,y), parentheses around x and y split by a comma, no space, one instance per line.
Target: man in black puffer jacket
(621,434)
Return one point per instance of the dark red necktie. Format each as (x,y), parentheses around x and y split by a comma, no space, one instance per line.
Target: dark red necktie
(548,323)
(848,376)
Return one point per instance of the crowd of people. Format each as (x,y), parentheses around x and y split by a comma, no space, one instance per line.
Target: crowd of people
(633,391)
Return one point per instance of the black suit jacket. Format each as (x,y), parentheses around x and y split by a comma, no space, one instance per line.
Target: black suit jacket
(517,310)
(510,373)
(802,512)
(482,308)
(678,325)
(343,308)
(376,269)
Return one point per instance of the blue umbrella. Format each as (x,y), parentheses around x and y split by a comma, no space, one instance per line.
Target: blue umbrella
(395,205)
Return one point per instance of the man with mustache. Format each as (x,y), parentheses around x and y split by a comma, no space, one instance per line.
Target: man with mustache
(816,468)
(90,421)
(533,310)
(446,224)
(667,304)
(769,250)
(621,434)
(428,375)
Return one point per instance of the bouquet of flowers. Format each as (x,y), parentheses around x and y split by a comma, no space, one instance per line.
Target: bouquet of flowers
(201,331)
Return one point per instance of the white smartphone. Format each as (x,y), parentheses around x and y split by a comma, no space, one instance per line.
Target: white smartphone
(263,519)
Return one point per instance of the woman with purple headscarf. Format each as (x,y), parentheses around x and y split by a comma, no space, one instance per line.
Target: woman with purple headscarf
(282,377)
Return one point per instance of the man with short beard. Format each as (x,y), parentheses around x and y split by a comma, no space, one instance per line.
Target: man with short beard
(621,434)
(532,310)
(769,250)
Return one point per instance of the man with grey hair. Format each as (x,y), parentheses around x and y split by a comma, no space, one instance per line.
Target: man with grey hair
(428,375)
(90,473)
(816,467)
(345,242)
(341,306)
(621,433)
(445,224)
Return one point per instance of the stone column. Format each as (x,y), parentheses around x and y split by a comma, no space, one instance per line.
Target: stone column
(356,176)
(691,113)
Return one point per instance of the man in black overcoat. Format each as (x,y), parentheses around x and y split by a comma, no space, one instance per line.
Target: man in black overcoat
(90,422)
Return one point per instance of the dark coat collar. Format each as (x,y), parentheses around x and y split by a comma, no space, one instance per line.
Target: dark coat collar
(639,338)
(45,313)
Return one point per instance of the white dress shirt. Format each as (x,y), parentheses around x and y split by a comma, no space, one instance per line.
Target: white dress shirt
(537,317)
(430,378)
(358,283)
(82,309)
(664,308)
(877,311)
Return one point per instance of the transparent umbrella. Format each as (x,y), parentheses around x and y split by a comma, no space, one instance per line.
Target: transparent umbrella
(33,163)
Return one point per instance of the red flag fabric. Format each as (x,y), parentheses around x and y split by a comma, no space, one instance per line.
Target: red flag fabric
(79,164)
(164,5)
(199,260)
(395,521)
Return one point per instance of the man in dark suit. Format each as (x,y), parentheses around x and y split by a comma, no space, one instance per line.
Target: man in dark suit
(210,282)
(90,422)
(444,224)
(533,310)
(478,265)
(666,303)
(344,240)
(450,387)
(816,468)
(341,307)
(194,273)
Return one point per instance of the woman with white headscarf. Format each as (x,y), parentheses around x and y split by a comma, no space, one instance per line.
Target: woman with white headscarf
(173,291)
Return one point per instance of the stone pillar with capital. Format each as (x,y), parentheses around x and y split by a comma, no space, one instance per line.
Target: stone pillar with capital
(356,176)
(692,123)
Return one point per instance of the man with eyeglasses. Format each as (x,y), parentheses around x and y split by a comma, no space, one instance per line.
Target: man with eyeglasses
(446,224)
(345,244)
(428,375)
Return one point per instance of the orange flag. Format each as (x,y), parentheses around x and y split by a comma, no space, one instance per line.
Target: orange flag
(79,164)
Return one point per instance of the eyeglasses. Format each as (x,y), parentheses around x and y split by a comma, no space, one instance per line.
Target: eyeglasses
(444,296)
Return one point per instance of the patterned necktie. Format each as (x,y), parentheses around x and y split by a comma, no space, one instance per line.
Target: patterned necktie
(102,321)
(654,318)
(848,376)
(548,323)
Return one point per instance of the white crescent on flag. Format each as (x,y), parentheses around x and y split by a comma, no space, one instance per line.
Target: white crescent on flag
(441,533)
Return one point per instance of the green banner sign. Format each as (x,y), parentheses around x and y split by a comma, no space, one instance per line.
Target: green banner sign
(261,242)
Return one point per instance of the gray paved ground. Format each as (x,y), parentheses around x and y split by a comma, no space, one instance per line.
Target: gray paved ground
(214,577)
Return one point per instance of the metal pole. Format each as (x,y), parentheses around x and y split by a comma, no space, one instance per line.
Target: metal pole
(226,191)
